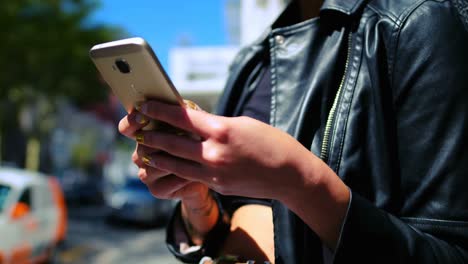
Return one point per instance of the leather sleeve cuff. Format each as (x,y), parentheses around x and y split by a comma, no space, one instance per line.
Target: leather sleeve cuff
(180,245)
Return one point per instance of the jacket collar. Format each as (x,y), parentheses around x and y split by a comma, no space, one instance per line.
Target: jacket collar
(348,7)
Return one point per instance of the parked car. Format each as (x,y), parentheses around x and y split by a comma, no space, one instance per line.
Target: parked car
(33,219)
(81,189)
(133,203)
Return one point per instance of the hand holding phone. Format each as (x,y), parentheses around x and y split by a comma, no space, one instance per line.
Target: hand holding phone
(134,73)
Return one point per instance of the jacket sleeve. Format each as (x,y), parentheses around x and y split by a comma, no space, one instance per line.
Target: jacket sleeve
(178,240)
(180,245)
(429,79)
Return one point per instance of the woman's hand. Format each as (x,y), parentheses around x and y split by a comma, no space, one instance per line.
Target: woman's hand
(161,183)
(242,156)
(236,156)
(199,210)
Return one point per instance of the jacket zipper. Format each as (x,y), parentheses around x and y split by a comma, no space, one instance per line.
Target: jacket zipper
(331,116)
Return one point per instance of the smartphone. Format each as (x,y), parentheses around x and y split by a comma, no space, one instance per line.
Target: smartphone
(133,72)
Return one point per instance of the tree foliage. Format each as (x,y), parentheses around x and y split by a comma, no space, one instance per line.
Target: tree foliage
(44,50)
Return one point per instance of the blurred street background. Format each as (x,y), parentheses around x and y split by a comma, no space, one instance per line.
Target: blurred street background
(58,118)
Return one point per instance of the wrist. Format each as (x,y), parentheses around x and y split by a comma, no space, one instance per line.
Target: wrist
(198,203)
(304,178)
(328,199)
(199,217)
(198,208)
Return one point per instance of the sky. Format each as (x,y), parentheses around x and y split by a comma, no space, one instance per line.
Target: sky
(167,23)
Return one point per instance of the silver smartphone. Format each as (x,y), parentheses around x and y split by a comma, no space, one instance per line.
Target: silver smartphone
(133,72)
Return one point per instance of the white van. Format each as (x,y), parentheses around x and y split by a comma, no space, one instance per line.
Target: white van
(32,216)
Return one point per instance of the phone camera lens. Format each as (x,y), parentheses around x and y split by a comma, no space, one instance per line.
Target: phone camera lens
(122,65)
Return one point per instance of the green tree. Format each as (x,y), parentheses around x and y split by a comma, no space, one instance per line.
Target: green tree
(44,55)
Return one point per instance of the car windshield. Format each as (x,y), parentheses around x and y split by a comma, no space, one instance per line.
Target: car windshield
(4,190)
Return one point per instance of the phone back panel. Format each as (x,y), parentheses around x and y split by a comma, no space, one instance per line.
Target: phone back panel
(146,78)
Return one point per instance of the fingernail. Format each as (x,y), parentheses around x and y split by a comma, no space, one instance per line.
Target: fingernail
(139,138)
(191,105)
(140,106)
(147,160)
(141,119)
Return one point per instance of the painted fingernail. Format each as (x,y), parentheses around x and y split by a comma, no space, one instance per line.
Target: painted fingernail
(141,119)
(139,138)
(140,106)
(191,105)
(147,160)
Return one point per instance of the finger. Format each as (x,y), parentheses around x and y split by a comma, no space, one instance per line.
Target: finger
(179,146)
(197,122)
(168,187)
(149,174)
(186,169)
(136,158)
(131,123)
(139,153)
(142,150)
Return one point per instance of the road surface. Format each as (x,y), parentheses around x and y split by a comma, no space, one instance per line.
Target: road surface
(90,239)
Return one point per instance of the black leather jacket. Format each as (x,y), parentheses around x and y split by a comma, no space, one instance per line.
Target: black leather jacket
(381,94)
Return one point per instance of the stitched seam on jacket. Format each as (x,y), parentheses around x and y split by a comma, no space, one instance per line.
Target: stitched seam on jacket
(397,31)
(355,58)
(435,222)
(401,17)
(386,15)
(438,226)
(273,82)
